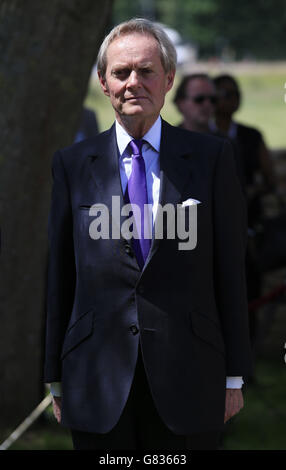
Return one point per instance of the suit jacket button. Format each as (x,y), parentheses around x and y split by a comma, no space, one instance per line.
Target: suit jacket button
(134,330)
(128,250)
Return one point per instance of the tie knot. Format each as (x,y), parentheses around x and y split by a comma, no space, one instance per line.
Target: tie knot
(136,146)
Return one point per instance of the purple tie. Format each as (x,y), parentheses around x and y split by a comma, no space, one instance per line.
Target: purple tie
(137,194)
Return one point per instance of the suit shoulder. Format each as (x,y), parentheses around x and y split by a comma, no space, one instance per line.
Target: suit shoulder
(249,131)
(74,153)
(197,141)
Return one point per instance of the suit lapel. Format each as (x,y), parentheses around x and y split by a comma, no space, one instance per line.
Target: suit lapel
(174,173)
(105,171)
(174,168)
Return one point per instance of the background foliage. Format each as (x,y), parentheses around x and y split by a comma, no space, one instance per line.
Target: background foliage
(249,29)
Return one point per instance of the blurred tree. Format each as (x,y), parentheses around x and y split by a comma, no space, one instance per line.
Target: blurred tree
(47,52)
(256,28)
(124,9)
(190,17)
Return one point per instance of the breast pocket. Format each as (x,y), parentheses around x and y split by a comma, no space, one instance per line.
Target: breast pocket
(84,207)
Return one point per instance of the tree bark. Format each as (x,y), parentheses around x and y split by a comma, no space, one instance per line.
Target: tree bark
(47,53)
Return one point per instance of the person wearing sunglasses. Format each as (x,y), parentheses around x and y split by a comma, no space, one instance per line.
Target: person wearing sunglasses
(257,168)
(254,155)
(195,99)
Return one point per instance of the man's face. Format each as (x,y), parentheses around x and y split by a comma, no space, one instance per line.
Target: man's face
(135,79)
(198,105)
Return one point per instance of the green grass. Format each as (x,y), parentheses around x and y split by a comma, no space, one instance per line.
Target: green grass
(261,423)
(263,104)
(44,436)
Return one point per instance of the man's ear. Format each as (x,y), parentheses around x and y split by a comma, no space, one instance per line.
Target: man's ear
(170,80)
(103,84)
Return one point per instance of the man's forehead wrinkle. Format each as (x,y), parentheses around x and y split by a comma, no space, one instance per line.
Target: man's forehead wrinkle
(131,64)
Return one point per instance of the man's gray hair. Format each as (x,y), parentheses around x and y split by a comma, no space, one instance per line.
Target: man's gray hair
(142,26)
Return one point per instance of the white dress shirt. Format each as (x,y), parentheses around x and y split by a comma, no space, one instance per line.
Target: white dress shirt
(150,153)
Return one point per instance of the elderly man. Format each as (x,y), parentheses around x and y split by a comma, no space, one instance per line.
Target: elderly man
(195,98)
(148,338)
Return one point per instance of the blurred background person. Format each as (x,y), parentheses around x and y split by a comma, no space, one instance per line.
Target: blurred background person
(254,156)
(257,173)
(88,126)
(195,99)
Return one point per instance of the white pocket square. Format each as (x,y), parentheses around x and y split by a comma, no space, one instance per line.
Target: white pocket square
(190,202)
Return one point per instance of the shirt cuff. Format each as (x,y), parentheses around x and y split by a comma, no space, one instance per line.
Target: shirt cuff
(56,389)
(234,382)
(231,382)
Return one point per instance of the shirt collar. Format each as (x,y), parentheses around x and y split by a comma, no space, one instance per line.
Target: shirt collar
(153,136)
(232,131)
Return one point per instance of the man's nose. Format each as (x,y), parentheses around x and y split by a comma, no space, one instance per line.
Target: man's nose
(133,79)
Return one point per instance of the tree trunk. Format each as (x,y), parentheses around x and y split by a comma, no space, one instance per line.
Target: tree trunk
(47,53)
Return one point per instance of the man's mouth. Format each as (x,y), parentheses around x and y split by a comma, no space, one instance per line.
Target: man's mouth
(136,98)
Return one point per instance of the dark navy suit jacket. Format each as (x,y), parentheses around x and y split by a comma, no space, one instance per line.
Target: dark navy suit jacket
(187,310)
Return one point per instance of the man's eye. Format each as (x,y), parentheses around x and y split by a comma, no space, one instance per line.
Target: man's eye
(121,74)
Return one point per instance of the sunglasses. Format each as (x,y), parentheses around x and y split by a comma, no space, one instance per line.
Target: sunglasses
(199,99)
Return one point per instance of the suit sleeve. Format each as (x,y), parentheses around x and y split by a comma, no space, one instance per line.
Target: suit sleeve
(61,271)
(230,239)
